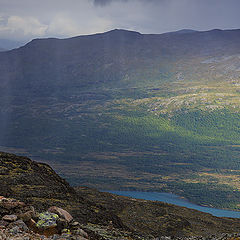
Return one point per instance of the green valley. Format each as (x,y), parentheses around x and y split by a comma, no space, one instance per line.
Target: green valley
(149,113)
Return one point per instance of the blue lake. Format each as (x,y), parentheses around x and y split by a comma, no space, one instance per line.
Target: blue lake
(174,199)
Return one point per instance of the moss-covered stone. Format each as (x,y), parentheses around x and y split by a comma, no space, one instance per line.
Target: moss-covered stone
(47,219)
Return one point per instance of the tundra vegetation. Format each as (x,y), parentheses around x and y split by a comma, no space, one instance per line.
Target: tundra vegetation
(142,112)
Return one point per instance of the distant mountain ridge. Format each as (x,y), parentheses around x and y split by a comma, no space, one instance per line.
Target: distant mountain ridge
(107,57)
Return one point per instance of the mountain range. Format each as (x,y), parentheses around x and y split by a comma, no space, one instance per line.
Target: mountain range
(125,110)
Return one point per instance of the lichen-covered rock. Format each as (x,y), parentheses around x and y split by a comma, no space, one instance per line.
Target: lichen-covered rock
(47,219)
(48,225)
(61,213)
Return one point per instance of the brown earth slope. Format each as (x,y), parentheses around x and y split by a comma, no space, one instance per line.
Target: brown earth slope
(103,214)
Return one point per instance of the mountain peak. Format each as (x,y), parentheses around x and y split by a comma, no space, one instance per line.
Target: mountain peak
(122,32)
(183,31)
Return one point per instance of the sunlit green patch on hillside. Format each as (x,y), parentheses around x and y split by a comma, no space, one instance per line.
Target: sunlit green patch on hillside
(167,123)
(144,140)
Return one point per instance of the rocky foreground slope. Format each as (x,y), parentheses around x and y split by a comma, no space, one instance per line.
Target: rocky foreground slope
(21,221)
(97,215)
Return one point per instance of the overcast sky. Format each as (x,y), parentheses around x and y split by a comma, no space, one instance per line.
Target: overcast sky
(28,19)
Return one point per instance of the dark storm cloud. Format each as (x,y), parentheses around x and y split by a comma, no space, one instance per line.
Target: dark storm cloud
(101,2)
(157,16)
(28,19)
